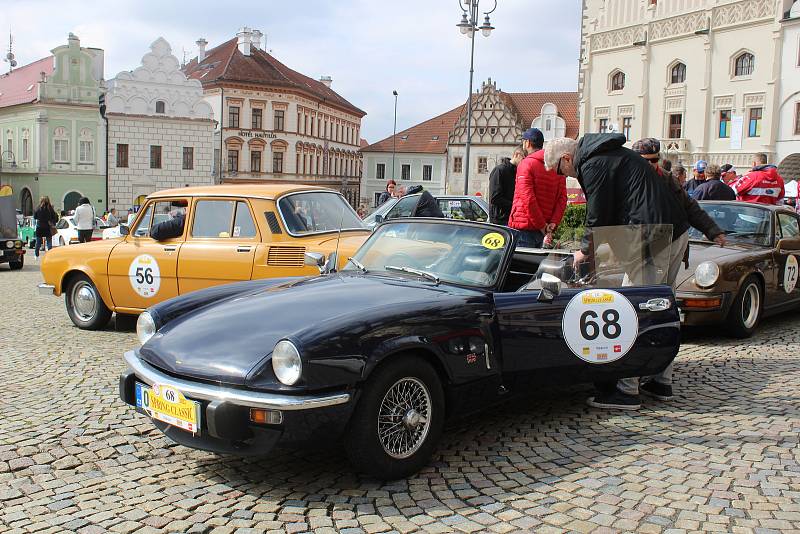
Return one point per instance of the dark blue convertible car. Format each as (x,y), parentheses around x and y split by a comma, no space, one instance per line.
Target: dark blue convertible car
(431,319)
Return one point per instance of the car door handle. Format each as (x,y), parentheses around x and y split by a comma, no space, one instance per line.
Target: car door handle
(171,248)
(244,249)
(656,305)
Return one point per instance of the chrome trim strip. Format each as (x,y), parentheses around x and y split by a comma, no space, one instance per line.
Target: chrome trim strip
(252,399)
(46,289)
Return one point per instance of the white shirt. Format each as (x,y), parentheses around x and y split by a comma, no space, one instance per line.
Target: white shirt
(84,217)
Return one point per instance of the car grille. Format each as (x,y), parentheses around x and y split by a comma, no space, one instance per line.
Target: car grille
(286,256)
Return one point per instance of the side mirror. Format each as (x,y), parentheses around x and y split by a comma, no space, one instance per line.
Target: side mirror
(124,229)
(551,287)
(789,243)
(378,219)
(315,259)
(330,266)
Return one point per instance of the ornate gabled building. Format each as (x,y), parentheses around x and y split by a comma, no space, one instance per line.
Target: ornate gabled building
(432,153)
(160,129)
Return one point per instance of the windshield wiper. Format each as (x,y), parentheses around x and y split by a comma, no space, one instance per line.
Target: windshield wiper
(358,264)
(418,272)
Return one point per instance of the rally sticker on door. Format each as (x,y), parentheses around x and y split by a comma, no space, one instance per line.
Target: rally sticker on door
(144,275)
(600,325)
(790,274)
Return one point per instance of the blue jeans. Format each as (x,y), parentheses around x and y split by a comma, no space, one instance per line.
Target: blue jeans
(530,238)
(47,240)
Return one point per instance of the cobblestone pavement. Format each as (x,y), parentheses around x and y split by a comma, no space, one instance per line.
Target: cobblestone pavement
(721,457)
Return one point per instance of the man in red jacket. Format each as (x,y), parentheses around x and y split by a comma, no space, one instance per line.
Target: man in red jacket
(762,185)
(540,196)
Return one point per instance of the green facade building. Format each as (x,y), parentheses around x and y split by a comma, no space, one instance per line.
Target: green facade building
(53,137)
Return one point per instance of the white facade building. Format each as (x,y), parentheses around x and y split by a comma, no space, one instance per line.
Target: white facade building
(787,146)
(704,76)
(160,129)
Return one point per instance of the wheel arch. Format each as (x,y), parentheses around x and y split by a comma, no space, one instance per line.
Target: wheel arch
(74,272)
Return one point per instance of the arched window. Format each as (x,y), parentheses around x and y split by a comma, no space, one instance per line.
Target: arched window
(678,73)
(745,63)
(159,106)
(618,81)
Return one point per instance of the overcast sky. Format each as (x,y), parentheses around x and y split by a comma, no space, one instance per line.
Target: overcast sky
(368,47)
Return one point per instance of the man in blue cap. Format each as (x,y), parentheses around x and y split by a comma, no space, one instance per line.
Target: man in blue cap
(699,177)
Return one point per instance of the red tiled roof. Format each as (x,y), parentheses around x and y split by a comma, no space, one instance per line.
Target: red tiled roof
(363,143)
(19,86)
(227,63)
(527,105)
(429,137)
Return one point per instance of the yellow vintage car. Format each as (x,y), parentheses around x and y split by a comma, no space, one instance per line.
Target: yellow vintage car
(206,236)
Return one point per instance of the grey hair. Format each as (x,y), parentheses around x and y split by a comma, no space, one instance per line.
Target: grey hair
(678,168)
(519,151)
(557,148)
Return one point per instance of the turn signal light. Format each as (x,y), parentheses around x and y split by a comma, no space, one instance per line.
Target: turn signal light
(702,303)
(266,417)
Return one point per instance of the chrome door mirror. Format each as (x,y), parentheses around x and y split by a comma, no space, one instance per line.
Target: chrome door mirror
(315,259)
(551,287)
(124,229)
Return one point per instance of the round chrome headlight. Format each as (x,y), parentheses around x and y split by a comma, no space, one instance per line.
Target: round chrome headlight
(145,327)
(9,244)
(286,363)
(706,274)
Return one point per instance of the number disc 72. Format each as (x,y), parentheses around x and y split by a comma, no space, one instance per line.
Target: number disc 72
(600,325)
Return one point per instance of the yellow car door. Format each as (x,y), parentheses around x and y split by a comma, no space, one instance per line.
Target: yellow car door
(220,245)
(141,270)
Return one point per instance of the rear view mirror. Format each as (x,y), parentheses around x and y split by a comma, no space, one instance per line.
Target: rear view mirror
(551,287)
(124,230)
(789,243)
(378,219)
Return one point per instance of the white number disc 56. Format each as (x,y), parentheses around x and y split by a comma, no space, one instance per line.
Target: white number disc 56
(145,275)
(600,326)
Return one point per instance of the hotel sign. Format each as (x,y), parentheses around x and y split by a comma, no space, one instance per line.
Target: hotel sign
(262,135)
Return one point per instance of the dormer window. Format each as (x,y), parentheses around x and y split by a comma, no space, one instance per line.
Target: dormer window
(160,106)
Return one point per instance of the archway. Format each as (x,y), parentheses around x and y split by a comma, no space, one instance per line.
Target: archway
(71,200)
(26,202)
(789,169)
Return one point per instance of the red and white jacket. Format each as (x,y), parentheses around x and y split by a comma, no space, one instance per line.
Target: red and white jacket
(762,185)
(540,196)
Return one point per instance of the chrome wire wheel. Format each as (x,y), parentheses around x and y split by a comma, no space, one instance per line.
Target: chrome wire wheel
(404,418)
(84,300)
(751,304)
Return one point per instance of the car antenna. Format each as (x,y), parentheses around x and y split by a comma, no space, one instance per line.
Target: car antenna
(338,238)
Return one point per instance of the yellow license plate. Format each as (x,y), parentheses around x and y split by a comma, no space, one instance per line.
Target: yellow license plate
(165,403)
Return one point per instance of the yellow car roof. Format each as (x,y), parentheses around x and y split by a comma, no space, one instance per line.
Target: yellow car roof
(268,191)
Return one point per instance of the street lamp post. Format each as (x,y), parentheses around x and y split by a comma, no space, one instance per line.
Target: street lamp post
(394,133)
(468,26)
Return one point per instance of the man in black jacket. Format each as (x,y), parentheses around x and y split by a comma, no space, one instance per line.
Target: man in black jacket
(426,206)
(501,188)
(713,188)
(624,189)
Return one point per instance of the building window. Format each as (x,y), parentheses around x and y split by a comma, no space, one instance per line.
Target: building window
(155,157)
(255,161)
(483,165)
(24,149)
(797,119)
(618,81)
(627,122)
(60,150)
(458,164)
(745,64)
(279,114)
(188,158)
(257,119)
(10,149)
(277,162)
(427,173)
(380,171)
(233,161)
(233,116)
(602,125)
(754,128)
(675,126)
(85,152)
(678,73)
(405,172)
(122,155)
(160,106)
(724,124)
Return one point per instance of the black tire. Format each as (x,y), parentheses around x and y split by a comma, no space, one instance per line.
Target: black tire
(85,307)
(745,312)
(17,265)
(363,444)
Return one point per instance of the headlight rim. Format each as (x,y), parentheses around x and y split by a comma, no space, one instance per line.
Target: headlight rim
(700,279)
(140,327)
(286,376)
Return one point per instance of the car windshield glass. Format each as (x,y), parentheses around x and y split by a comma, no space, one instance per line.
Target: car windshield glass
(314,212)
(740,222)
(462,209)
(458,253)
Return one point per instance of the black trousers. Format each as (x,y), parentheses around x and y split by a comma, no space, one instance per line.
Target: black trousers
(84,236)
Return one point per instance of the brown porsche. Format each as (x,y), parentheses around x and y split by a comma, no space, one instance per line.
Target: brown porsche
(754,275)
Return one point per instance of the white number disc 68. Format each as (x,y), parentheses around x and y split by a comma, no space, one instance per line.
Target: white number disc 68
(145,275)
(600,325)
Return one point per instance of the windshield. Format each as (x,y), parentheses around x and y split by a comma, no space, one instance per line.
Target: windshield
(8,217)
(458,253)
(741,222)
(316,212)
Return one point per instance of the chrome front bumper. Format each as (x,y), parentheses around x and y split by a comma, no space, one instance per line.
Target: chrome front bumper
(253,399)
(46,289)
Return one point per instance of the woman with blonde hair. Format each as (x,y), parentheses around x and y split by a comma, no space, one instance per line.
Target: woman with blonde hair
(46,220)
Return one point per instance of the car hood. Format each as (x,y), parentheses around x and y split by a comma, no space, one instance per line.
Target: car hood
(701,251)
(224,342)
